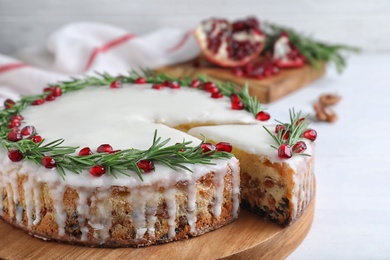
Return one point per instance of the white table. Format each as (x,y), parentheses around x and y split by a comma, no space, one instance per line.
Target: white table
(352,216)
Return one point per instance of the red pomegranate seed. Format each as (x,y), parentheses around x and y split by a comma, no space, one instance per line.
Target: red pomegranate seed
(237,105)
(56,91)
(116,84)
(217,95)
(38,102)
(85,151)
(279,128)
(224,147)
(49,162)
(195,83)
(27,130)
(14,124)
(210,87)
(36,138)
(174,85)
(15,155)
(115,151)
(140,80)
(310,134)
(48,89)
(14,136)
(285,135)
(263,116)
(166,83)
(97,170)
(284,151)
(299,121)
(50,97)
(299,147)
(9,103)
(16,118)
(235,98)
(238,72)
(207,148)
(157,86)
(104,148)
(145,166)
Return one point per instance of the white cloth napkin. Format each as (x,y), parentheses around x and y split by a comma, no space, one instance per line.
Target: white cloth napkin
(86,48)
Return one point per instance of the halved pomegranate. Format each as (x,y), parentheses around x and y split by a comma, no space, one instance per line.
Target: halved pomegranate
(230,44)
(285,54)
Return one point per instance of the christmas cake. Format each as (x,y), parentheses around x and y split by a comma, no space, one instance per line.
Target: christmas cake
(107,161)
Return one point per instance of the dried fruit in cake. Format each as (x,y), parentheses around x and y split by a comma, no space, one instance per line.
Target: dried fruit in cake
(230,44)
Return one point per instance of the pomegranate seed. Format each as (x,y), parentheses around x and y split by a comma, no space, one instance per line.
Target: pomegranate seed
(174,85)
(15,155)
(16,118)
(238,72)
(195,83)
(48,162)
(48,89)
(104,148)
(310,134)
(56,91)
(217,95)
(285,135)
(85,151)
(36,138)
(116,84)
(224,147)
(210,87)
(27,130)
(14,124)
(263,116)
(166,83)
(97,170)
(284,151)
(145,166)
(157,86)
(279,128)
(140,80)
(235,98)
(237,105)
(299,121)
(14,136)
(9,103)
(38,102)
(207,148)
(50,97)
(299,147)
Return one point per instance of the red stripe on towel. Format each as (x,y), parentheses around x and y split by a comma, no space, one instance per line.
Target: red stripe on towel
(106,47)
(12,66)
(181,43)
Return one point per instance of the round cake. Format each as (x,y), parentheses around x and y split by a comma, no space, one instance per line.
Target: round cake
(108,161)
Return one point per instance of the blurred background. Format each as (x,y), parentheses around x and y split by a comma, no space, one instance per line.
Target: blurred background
(356,22)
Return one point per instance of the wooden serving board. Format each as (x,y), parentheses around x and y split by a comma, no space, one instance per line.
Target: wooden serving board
(248,237)
(267,90)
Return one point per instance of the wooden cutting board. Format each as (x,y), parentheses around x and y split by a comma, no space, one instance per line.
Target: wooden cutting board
(248,237)
(267,90)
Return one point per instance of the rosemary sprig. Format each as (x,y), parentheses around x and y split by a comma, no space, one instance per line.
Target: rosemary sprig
(174,156)
(292,132)
(315,51)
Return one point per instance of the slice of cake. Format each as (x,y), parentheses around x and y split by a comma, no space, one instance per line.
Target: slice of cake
(273,187)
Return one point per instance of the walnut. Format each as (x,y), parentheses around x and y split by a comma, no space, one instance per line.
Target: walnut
(329,99)
(325,113)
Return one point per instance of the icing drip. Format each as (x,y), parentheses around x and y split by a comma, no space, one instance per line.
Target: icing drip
(37,200)
(29,200)
(236,187)
(57,194)
(170,201)
(191,204)
(1,194)
(101,219)
(138,202)
(83,211)
(218,192)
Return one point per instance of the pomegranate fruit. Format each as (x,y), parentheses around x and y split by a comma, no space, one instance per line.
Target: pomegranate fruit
(230,44)
(285,54)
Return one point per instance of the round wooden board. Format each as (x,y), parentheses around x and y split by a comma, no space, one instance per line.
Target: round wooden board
(247,237)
